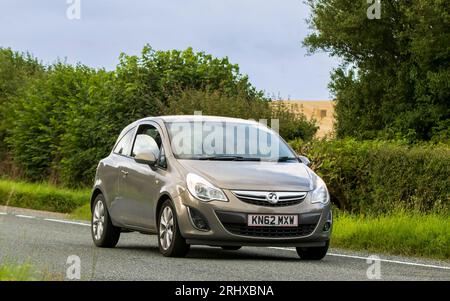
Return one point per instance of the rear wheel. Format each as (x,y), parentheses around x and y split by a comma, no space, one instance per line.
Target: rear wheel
(313,253)
(231,248)
(104,233)
(170,241)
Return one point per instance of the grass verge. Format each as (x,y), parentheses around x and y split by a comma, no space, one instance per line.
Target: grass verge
(41,196)
(82,213)
(400,233)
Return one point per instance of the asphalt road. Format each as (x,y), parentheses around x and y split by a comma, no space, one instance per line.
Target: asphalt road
(46,242)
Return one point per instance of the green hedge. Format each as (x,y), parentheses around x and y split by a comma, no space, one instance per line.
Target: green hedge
(380,176)
(41,196)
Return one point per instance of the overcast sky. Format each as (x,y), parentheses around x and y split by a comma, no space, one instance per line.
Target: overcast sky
(262,36)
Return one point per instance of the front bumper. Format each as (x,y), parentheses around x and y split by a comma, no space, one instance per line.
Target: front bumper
(227,223)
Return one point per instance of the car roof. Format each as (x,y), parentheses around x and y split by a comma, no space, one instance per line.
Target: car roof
(188,118)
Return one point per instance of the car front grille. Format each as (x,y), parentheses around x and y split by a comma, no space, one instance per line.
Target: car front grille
(240,229)
(260,198)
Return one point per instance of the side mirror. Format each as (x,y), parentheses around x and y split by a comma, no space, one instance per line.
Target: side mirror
(304,160)
(148,158)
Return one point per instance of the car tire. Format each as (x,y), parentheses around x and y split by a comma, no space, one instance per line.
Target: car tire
(170,241)
(104,233)
(231,248)
(313,253)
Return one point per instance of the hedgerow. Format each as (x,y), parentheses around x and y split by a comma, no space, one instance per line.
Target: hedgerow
(382,177)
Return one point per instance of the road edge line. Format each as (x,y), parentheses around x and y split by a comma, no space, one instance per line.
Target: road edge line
(381,259)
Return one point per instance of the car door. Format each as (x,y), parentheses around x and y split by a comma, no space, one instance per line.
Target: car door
(142,181)
(119,207)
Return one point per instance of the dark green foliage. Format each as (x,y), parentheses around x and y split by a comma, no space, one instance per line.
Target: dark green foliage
(89,129)
(49,122)
(381,177)
(394,80)
(16,70)
(143,84)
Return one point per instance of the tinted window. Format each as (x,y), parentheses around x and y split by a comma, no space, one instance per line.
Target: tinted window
(124,145)
(148,139)
(162,162)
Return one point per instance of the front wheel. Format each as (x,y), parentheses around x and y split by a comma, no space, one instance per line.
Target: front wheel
(104,233)
(170,241)
(313,253)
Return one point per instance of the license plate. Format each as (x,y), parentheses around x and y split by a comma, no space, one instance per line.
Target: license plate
(274,220)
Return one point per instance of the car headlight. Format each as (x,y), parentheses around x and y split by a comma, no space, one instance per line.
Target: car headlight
(204,190)
(320,193)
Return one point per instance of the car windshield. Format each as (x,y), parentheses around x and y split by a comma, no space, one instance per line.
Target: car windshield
(224,140)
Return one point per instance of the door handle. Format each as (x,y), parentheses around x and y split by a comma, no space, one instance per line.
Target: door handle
(125,173)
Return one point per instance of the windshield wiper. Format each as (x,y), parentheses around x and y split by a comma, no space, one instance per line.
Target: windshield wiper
(229,158)
(286,158)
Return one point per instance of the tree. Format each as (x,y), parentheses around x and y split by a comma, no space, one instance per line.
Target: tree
(40,117)
(394,78)
(143,84)
(16,70)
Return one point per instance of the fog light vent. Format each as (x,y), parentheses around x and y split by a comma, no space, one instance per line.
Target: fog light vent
(327,226)
(198,220)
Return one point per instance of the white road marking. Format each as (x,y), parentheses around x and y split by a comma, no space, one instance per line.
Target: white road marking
(50,219)
(382,260)
(66,222)
(24,216)
(394,261)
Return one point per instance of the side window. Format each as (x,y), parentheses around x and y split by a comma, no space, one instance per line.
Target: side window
(162,158)
(147,139)
(124,145)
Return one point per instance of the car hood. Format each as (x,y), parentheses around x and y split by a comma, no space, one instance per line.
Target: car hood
(243,175)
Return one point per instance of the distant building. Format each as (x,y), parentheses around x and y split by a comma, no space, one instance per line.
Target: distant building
(321,110)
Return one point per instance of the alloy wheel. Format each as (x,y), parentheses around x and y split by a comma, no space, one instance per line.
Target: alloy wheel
(166,228)
(98,221)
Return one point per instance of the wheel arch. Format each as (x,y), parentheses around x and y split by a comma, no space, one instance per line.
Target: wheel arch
(95,193)
(164,197)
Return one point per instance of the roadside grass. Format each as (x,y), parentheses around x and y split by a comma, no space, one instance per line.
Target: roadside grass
(25,272)
(41,196)
(399,233)
(82,213)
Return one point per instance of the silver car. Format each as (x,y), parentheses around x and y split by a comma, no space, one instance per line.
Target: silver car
(204,180)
